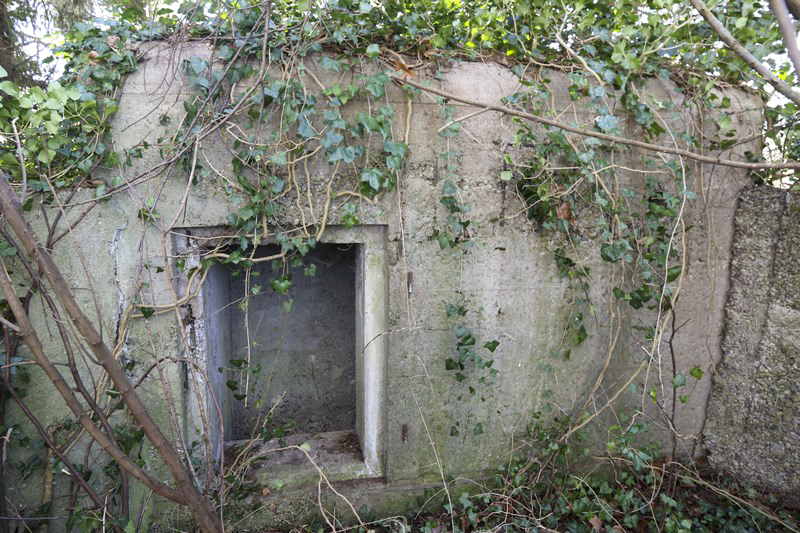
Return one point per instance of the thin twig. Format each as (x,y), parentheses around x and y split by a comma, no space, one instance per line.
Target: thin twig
(579,59)
(461,119)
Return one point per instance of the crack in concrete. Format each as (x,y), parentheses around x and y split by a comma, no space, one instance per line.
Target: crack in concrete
(113,251)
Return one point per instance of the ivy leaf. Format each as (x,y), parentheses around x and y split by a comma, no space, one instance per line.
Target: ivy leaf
(225,52)
(373,177)
(394,162)
(376,85)
(396,148)
(198,64)
(247,213)
(697,373)
(9,88)
(586,157)
(46,156)
(147,312)
(679,381)
(607,123)
(506,175)
(281,286)
(329,64)
(6,250)
(277,185)
(304,129)
(478,429)
(331,139)
(278,159)
(3,72)
(348,154)
(373,50)
(673,273)
(492,345)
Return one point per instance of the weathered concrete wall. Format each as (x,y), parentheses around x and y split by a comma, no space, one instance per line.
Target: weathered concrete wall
(753,427)
(508,280)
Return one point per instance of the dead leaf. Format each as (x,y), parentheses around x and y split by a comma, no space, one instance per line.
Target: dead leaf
(595,523)
(564,211)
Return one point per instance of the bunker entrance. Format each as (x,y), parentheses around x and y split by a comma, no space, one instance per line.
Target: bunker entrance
(306,360)
(292,363)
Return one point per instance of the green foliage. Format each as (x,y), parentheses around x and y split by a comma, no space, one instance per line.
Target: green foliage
(58,132)
(468,355)
(456,231)
(542,491)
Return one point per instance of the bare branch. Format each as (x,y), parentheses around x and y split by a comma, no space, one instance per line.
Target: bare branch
(37,350)
(726,37)
(200,507)
(794,7)
(780,10)
(598,135)
(76,475)
(10,325)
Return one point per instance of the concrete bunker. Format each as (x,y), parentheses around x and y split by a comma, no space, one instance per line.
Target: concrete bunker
(310,363)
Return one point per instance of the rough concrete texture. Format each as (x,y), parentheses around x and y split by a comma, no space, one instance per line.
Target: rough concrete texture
(508,280)
(753,426)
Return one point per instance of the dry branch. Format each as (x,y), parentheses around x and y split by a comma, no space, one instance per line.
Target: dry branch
(200,507)
(780,10)
(598,135)
(34,344)
(727,38)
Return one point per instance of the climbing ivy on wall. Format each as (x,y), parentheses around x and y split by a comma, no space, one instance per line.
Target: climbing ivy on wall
(55,139)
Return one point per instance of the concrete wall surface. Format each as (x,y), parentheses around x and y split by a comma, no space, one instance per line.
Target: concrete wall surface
(753,426)
(429,425)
